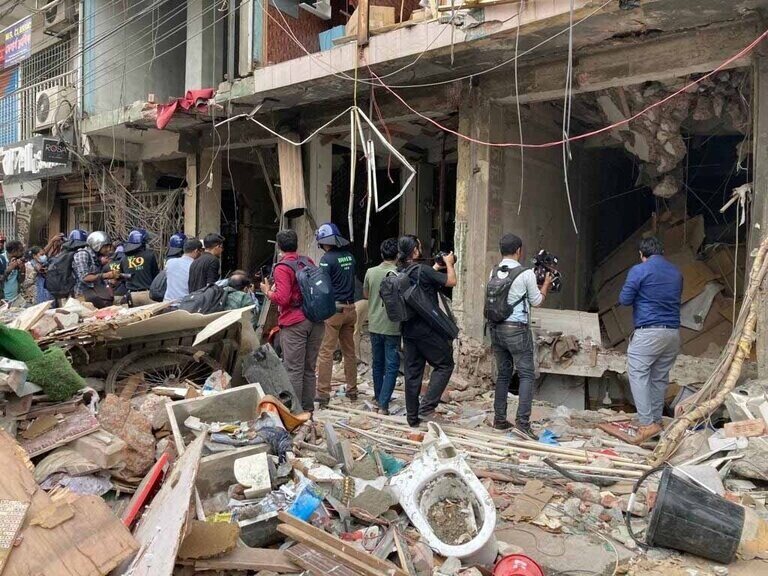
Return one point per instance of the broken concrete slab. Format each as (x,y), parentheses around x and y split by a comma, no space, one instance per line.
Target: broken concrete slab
(374,502)
(102,448)
(118,417)
(74,425)
(255,472)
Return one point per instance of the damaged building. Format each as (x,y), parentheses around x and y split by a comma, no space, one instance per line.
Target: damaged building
(634,118)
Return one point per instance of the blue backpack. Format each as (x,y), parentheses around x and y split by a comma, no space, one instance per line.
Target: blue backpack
(318,302)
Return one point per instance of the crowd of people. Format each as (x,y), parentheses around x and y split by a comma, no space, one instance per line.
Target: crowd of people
(319,309)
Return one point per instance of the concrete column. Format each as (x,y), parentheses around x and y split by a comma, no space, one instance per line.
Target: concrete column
(414,216)
(478,209)
(209,193)
(190,197)
(318,171)
(759,219)
(205,46)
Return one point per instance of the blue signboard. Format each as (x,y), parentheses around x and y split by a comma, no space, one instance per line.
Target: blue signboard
(17,42)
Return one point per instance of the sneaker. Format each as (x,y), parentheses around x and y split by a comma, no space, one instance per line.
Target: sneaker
(322,403)
(417,424)
(526,431)
(427,416)
(384,411)
(502,424)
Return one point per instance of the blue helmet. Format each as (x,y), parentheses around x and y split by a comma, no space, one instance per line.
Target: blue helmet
(329,235)
(77,235)
(136,239)
(176,244)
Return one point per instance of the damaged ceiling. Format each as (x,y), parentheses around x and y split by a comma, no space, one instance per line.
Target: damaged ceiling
(719,105)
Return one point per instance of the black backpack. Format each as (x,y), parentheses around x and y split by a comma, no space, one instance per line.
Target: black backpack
(440,321)
(318,302)
(207,300)
(158,287)
(497,308)
(392,292)
(60,278)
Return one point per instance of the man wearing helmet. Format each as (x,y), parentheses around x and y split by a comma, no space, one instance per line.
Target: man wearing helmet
(176,245)
(139,261)
(86,264)
(339,328)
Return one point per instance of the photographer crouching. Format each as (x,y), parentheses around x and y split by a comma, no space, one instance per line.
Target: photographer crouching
(510,292)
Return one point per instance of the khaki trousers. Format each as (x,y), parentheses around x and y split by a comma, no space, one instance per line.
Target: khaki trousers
(339,330)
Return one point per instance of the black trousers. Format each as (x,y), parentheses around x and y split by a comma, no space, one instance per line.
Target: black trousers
(439,353)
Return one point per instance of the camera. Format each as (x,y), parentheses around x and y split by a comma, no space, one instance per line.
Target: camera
(440,258)
(545,263)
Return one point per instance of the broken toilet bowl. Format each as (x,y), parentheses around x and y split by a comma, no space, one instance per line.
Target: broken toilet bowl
(446,502)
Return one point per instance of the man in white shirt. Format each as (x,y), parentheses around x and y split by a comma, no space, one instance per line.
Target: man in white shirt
(512,339)
(177,270)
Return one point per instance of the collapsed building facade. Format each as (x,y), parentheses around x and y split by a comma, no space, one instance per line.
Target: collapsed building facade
(635,117)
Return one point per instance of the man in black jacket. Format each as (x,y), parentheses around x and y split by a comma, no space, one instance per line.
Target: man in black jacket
(205,269)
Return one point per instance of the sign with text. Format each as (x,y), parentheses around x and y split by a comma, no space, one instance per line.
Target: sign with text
(26,161)
(55,151)
(17,42)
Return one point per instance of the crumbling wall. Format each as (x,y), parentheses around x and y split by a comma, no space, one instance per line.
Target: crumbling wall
(718,104)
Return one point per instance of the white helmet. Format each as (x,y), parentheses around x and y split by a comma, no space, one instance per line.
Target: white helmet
(97,240)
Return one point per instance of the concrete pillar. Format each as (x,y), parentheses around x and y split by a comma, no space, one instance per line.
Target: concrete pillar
(205,46)
(759,219)
(414,216)
(318,170)
(478,209)
(190,197)
(209,193)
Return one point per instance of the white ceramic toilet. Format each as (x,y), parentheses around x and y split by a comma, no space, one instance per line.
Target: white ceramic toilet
(440,474)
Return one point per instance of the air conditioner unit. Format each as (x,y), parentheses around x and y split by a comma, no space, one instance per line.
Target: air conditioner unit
(53,106)
(59,16)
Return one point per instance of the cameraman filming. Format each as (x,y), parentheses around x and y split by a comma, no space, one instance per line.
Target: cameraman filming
(12,273)
(512,338)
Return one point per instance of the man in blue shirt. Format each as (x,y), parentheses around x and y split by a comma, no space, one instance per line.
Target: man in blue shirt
(653,288)
(177,270)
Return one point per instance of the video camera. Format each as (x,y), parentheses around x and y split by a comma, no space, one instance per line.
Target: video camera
(544,263)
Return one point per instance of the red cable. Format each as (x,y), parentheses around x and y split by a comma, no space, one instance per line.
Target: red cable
(746,50)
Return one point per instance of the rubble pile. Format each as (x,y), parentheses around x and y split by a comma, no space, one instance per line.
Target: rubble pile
(183,476)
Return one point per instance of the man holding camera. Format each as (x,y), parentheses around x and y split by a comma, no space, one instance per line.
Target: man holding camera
(12,272)
(512,338)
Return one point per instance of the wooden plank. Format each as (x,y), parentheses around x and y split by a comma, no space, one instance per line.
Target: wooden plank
(317,563)
(319,536)
(403,553)
(582,325)
(31,315)
(159,531)
(245,558)
(90,543)
(75,425)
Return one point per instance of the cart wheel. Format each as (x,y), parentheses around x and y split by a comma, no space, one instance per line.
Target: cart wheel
(161,367)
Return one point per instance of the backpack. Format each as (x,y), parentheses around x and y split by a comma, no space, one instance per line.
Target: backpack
(497,308)
(392,292)
(207,300)
(158,287)
(318,302)
(60,278)
(443,324)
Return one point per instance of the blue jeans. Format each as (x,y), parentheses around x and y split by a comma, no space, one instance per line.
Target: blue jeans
(386,364)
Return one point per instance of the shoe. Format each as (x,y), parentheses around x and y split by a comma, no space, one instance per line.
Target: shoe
(502,424)
(645,433)
(526,431)
(322,403)
(427,416)
(352,397)
(383,411)
(417,424)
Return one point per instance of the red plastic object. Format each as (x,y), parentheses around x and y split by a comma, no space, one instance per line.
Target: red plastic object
(146,490)
(517,565)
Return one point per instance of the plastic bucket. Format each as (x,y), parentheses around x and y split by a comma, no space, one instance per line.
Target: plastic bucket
(517,565)
(688,517)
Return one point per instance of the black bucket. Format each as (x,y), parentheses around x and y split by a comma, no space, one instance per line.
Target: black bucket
(690,518)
